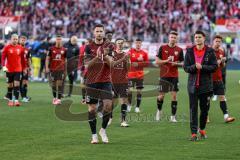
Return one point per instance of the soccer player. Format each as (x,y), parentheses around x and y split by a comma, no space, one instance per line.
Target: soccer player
(56,65)
(83,69)
(72,64)
(218,85)
(139,60)
(13,64)
(98,59)
(24,78)
(200,62)
(169,58)
(119,73)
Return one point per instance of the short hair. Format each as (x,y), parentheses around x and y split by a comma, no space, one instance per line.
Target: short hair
(200,32)
(109,32)
(98,26)
(138,40)
(119,39)
(218,36)
(174,33)
(23,36)
(59,36)
(14,35)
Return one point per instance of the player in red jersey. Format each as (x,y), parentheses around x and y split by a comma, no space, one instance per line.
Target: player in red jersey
(218,85)
(56,65)
(119,75)
(13,64)
(24,78)
(97,59)
(139,60)
(169,58)
(83,69)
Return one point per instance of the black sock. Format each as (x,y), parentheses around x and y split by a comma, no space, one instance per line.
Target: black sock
(92,122)
(60,89)
(16,91)
(123,112)
(106,117)
(159,104)
(111,114)
(9,93)
(174,107)
(70,87)
(24,91)
(83,93)
(54,92)
(139,99)
(130,98)
(223,106)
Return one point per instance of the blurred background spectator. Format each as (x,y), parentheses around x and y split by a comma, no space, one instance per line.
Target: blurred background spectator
(150,20)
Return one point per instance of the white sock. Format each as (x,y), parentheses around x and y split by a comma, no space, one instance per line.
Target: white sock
(226,116)
(94,135)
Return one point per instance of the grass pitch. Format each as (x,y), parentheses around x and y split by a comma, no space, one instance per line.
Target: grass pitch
(34,132)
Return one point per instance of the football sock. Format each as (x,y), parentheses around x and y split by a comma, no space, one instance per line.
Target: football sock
(106,117)
(9,93)
(123,112)
(16,91)
(159,104)
(139,99)
(92,121)
(174,107)
(223,106)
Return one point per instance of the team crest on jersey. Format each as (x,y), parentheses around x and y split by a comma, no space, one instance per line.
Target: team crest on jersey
(62,52)
(18,51)
(176,53)
(54,51)
(26,51)
(11,51)
(133,55)
(166,51)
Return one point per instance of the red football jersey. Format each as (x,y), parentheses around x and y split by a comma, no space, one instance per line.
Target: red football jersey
(13,58)
(99,71)
(57,58)
(217,75)
(119,72)
(141,57)
(165,51)
(27,56)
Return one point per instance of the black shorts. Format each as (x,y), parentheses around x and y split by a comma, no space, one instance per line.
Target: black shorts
(98,91)
(218,88)
(25,76)
(168,84)
(138,83)
(13,76)
(57,75)
(120,90)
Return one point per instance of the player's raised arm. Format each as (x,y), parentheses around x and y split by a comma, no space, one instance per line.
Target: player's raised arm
(188,66)
(212,66)
(89,60)
(158,58)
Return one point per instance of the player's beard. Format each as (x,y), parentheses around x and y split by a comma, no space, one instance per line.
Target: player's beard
(99,38)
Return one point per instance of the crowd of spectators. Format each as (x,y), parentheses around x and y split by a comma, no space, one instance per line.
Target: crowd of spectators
(150,20)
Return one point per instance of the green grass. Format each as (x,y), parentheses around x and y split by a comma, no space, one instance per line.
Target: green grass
(33,131)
